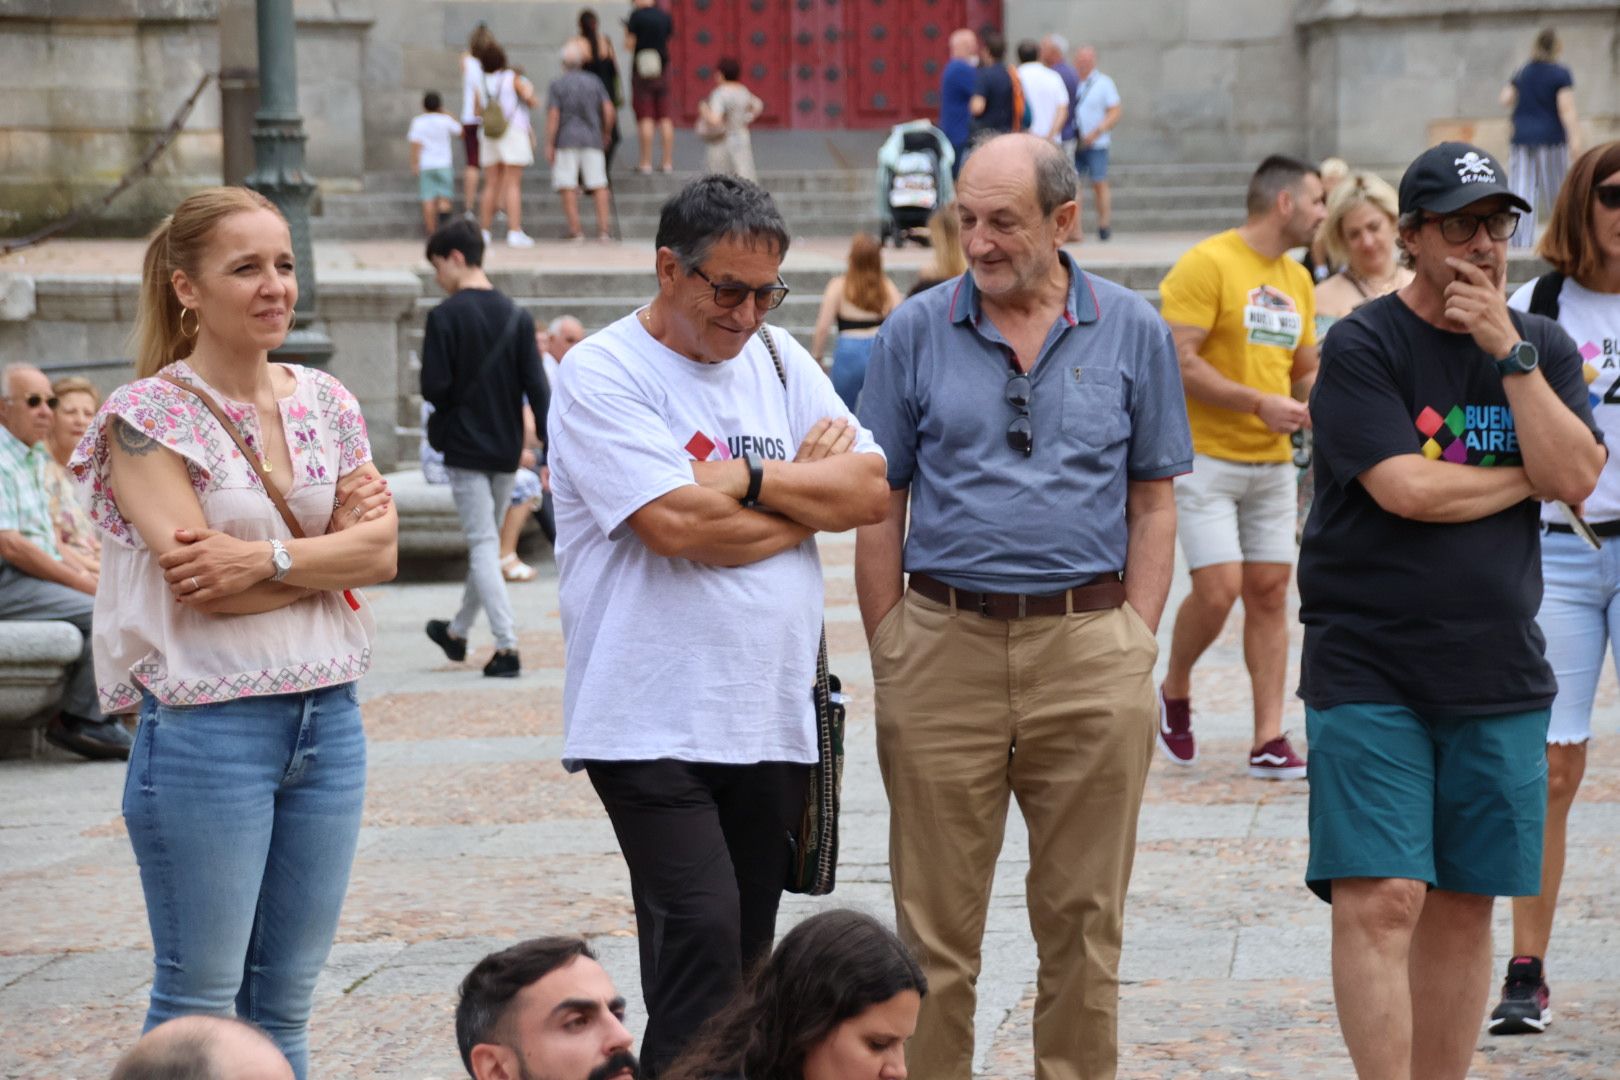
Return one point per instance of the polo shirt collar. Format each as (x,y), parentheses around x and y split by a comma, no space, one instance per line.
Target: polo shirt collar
(14,447)
(1081,306)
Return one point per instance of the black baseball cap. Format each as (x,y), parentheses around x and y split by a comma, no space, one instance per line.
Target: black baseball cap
(1452,175)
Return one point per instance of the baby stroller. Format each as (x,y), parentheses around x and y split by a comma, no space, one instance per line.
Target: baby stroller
(913,180)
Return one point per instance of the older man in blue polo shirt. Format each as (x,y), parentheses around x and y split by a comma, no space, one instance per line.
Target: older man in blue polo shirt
(1033,416)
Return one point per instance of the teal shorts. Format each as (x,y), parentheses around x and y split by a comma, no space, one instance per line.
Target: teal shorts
(434,184)
(1455,801)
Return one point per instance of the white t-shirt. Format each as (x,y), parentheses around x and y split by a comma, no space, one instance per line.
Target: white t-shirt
(1044,92)
(1593,320)
(433,132)
(1095,95)
(472,72)
(665,657)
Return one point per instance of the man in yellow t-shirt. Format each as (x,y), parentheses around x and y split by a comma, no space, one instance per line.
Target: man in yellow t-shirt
(1242,313)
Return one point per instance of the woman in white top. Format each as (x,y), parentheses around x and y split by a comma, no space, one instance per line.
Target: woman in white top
(472,73)
(723,119)
(239,644)
(1580,605)
(506,157)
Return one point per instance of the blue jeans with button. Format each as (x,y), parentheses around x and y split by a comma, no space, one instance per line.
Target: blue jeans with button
(244,816)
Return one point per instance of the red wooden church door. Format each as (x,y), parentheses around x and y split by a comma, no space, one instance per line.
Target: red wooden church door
(823,63)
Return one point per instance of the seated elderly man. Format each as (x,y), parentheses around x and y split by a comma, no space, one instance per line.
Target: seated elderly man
(35,582)
(543,1008)
(203,1048)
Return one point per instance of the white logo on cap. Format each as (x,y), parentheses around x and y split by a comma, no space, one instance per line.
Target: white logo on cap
(1472,169)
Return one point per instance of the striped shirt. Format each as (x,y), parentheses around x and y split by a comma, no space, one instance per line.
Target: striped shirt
(24,505)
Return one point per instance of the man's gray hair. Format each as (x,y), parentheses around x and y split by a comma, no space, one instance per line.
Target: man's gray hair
(1056,182)
(572,55)
(1410,220)
(11,371)
(1059,42)
(556,325)
(714,207)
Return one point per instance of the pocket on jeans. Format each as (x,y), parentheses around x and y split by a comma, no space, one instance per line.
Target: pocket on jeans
(1094,405)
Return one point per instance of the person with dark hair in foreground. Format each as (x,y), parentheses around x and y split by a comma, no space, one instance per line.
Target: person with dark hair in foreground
(836,1000)
(543,1008)
(692,615)
(203,1048)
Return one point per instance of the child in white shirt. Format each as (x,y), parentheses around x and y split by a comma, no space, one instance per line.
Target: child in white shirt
(432,160)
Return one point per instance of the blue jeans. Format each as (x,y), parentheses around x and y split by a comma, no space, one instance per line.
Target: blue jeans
(1580,619)
(244,817)
(849,367)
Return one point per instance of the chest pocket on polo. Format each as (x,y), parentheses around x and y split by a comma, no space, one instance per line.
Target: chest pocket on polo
(1094,405)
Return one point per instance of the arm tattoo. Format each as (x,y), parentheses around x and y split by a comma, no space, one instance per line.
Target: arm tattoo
(131,440)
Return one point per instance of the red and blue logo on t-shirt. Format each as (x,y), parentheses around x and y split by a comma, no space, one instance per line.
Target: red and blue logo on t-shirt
(1469,435)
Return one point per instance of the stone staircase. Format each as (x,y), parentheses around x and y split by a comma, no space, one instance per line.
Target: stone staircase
(825,202)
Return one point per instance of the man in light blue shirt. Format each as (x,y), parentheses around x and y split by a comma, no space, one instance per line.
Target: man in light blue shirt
(1032,417)
(1096,110)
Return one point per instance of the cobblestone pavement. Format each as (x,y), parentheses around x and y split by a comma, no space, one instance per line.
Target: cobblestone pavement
(475,837)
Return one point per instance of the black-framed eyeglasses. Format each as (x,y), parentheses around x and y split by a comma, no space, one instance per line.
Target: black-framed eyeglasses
(33,401)
(1608,195)
(730,294)
(1460,228)
(1020,433)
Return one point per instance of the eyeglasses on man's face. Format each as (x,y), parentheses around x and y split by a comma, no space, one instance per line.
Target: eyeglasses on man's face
(1460,228)
(730,294)
(33,401)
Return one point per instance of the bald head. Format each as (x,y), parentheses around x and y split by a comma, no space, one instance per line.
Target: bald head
(24,383)
(964,44)
(573,55)
(203,1048)
(1085,60)
(1037,168)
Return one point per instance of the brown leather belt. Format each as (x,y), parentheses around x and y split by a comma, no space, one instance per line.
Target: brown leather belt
(1099,594)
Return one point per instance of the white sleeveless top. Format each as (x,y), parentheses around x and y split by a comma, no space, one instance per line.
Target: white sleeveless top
(141,638)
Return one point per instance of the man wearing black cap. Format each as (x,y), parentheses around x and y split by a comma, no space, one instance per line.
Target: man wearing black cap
(1440,418)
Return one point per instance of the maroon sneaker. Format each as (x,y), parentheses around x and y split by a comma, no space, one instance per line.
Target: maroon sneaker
(1176,740)
(1276,761)
(1526,1005)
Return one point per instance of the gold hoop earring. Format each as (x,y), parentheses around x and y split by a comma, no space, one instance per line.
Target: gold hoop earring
(196,322)
(292,322)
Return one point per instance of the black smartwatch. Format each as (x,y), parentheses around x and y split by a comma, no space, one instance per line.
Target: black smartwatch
(756,477)
(1521,361)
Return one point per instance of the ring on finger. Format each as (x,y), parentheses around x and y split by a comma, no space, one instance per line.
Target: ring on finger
(195,585)
(355,512)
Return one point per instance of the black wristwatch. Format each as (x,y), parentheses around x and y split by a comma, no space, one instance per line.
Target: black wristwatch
(756,477)
(1521,361)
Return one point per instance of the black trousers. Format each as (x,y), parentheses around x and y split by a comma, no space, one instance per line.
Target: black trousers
(708,849)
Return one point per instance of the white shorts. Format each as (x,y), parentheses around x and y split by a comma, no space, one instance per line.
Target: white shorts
(514,147)
(1235,511)
(579,166)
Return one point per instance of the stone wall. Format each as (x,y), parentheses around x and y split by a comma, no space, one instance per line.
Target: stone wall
(79,324)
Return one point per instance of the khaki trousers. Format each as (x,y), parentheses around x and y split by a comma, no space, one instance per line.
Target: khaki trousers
(1058,712)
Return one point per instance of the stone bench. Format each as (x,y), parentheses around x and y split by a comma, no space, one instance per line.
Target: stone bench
(429,528)
(34,658)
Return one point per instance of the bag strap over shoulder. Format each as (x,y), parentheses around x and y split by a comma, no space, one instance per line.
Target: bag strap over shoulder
(1544,294)
(776,357)
(241,444)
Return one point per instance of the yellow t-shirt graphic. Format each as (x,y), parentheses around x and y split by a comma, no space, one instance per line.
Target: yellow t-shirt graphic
(1257,311)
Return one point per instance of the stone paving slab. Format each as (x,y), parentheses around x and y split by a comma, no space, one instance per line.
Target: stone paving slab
(475,837)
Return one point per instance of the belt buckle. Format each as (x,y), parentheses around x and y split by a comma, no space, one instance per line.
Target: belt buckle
(984,605)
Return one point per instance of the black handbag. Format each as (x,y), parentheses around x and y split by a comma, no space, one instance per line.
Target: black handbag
(813,868)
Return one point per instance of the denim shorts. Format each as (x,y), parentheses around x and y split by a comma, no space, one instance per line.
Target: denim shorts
(1454,801)
(1580,618)
(1092,162)
(435,184)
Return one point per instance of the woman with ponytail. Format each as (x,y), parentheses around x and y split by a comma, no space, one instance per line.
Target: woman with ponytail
(238,508)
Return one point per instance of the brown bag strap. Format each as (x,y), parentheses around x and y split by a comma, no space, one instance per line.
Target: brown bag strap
(241,444)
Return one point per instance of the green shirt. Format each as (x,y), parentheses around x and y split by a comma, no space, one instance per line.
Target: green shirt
(24,505)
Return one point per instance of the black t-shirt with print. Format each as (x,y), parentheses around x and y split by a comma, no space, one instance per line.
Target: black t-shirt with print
(1437,617)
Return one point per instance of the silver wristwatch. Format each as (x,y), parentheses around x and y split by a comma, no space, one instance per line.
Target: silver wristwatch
(281,559)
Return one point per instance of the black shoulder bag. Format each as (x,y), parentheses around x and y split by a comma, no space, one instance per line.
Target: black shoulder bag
(1544,294)
(439,419)
(813,869)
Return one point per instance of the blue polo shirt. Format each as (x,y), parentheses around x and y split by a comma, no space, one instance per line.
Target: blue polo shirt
(1106,406)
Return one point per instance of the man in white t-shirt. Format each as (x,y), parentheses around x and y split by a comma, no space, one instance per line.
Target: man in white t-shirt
(1044,93)
(689,480)
(432,160)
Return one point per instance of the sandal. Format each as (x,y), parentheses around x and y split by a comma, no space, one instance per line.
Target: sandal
(514,569)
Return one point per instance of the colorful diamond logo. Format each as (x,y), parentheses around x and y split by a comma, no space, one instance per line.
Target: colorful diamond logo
(1428,421)
(1431,449)
(700,447)
(1590,350)
(1455,419)
(1456,453)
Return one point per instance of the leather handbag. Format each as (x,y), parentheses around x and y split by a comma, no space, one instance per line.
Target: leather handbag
(813,868)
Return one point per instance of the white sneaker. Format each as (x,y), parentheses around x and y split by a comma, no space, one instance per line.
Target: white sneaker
(487,239)
(519,239)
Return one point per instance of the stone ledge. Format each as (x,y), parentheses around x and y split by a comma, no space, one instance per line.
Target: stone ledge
(1315,12)
(34,656)
(386,295)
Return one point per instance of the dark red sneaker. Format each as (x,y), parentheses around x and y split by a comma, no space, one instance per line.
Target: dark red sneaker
(1276,761)
(1526,1006)
(1176,740)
